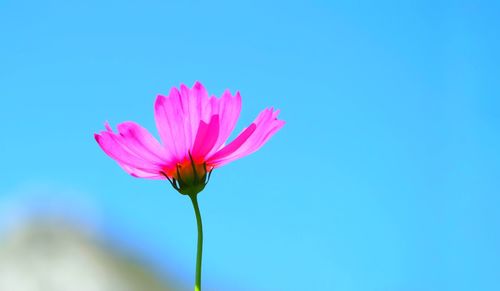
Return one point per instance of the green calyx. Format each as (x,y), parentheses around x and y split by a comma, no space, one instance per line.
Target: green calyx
(190,178)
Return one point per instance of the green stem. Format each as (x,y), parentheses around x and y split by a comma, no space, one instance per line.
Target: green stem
(197,286)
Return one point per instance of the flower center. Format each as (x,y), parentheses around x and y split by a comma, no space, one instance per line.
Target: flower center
(189,177)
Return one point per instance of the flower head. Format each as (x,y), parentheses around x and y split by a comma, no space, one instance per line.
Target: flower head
(194,129)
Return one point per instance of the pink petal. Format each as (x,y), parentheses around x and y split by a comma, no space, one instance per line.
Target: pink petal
(116,147)
(171,124)
(202,110)
(108,127)
(229,111)
(190,114)
(234,145)
(193,102)
(273,126)
(205,138)
(255,136)
(178,117)
(141,142)
(141,174)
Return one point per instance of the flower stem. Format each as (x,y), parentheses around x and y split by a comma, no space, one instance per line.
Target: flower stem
(197,286)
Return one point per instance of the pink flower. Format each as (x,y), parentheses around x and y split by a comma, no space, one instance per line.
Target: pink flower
(194,129)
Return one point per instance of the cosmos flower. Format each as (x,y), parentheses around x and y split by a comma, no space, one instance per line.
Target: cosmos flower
(194,129)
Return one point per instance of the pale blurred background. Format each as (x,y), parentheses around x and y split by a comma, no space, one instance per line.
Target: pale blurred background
(53,256)
(385,177)
(50,241)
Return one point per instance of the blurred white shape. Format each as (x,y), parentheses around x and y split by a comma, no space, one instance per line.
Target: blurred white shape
(48,243)
(54,257)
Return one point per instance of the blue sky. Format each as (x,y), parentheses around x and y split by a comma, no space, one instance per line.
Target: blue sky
(385,177)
